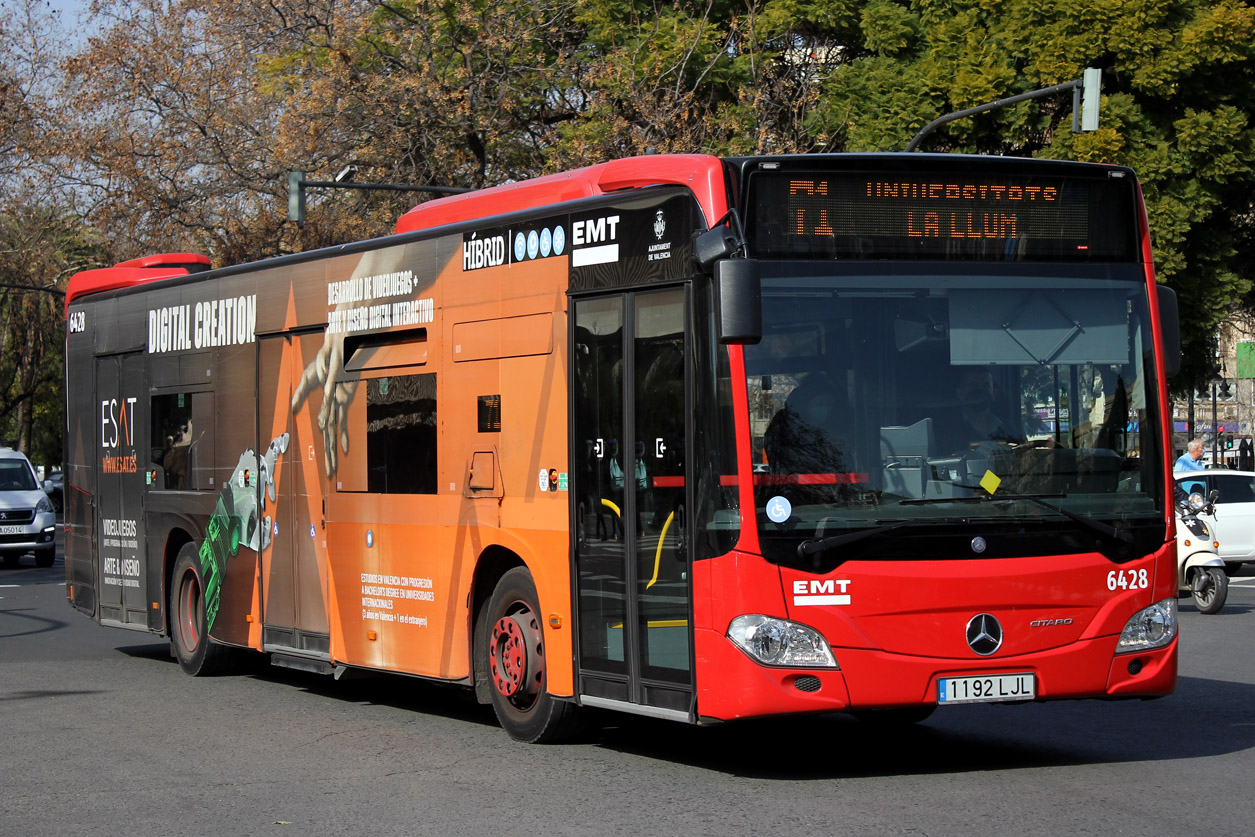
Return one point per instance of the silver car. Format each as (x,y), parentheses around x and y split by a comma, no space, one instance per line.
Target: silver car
(27,521)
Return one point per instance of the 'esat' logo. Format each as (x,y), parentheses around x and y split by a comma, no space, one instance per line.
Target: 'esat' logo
(117,430)
(116,423)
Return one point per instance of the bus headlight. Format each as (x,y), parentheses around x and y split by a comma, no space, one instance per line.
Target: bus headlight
(1151,627)
(779,642)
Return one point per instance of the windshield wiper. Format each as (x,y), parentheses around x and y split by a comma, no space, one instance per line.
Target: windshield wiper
(818,546)
(1104,529)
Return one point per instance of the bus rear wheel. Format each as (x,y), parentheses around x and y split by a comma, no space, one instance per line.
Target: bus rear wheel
(189,635)
(515,651)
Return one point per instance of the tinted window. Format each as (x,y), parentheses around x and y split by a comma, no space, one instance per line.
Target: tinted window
(183,441)
(1234,489)
(401,434)
(15,475)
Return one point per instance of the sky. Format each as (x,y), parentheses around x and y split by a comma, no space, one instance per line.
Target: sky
(71,12)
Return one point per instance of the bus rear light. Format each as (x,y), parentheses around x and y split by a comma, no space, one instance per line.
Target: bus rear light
(779,642)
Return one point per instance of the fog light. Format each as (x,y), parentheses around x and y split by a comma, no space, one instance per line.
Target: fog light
(1135,666)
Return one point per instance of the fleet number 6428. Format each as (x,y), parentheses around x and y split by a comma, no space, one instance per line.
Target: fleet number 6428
(1127,580)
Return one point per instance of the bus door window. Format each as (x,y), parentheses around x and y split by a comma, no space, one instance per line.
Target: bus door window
(598,409)
(660,485)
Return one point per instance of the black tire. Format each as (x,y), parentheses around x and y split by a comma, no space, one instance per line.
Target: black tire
(1209,586)
(898,716)
(12,560)
(45,557)
(198,655)
(514,648)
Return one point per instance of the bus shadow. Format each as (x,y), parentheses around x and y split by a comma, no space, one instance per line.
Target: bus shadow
(362,687)
(1203,718)
(396,691)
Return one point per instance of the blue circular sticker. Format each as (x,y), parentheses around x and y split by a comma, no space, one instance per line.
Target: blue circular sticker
(370,538)
(312,530)
(520,247)
(533,244)
(779,509)
(559,241)
(546,242)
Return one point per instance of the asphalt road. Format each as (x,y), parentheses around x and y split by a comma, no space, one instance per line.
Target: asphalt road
(100,732)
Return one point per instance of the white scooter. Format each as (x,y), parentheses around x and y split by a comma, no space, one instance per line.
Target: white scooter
(1200,572)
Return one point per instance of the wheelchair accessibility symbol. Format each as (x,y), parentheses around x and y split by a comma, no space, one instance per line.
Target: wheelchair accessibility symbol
(779,509)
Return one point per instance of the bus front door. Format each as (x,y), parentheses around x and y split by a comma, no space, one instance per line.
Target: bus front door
(629,461)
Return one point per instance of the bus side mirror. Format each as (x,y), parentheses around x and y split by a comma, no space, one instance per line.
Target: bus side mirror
(739,298)
(1170,327)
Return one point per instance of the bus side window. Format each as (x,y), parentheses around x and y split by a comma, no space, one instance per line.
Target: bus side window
(401,434)
(182,441)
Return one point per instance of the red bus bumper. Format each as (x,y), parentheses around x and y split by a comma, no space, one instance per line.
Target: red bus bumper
(730,685)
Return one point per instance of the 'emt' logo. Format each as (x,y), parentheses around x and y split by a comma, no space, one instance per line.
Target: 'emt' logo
(821,592)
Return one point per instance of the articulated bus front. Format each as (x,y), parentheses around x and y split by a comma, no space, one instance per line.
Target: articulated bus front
(956,444)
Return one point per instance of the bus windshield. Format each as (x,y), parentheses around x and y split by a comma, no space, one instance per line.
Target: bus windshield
(953,410)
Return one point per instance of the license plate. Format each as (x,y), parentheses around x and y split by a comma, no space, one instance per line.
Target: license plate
(987,688)
(12,530)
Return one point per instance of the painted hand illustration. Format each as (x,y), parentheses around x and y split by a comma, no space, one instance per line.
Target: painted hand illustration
(321,373)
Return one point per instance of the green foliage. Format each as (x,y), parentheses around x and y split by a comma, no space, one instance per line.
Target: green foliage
(475,92)
(39,249)
(1177,108)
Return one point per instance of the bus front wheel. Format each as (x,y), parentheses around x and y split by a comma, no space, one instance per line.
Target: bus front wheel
(189,636)
(515,651)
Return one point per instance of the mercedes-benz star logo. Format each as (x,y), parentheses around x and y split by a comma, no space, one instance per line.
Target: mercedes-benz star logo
(984,634)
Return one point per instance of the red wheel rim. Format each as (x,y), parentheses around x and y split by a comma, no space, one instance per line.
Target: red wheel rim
(187,623)
(515,657)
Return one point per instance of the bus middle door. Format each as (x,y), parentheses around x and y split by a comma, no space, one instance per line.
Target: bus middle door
(294,610)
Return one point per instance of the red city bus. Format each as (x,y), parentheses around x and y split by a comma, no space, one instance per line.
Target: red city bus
(694,438)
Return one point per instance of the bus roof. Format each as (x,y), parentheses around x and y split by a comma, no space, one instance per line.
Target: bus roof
(702,173)
(133,272)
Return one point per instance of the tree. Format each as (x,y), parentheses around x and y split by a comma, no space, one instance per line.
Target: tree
(39,250)
(1176,108)
(188,146)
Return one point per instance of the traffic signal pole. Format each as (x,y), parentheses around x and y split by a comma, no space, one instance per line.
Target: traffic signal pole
(1215,429)
(1085,100)
(297,184)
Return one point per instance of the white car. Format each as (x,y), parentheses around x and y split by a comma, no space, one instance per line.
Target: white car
(1235,510)
(27,521)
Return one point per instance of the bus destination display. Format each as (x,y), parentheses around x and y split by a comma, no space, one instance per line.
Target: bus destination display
(947,215)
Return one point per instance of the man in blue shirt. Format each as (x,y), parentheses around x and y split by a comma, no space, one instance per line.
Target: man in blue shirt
(1192,459)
